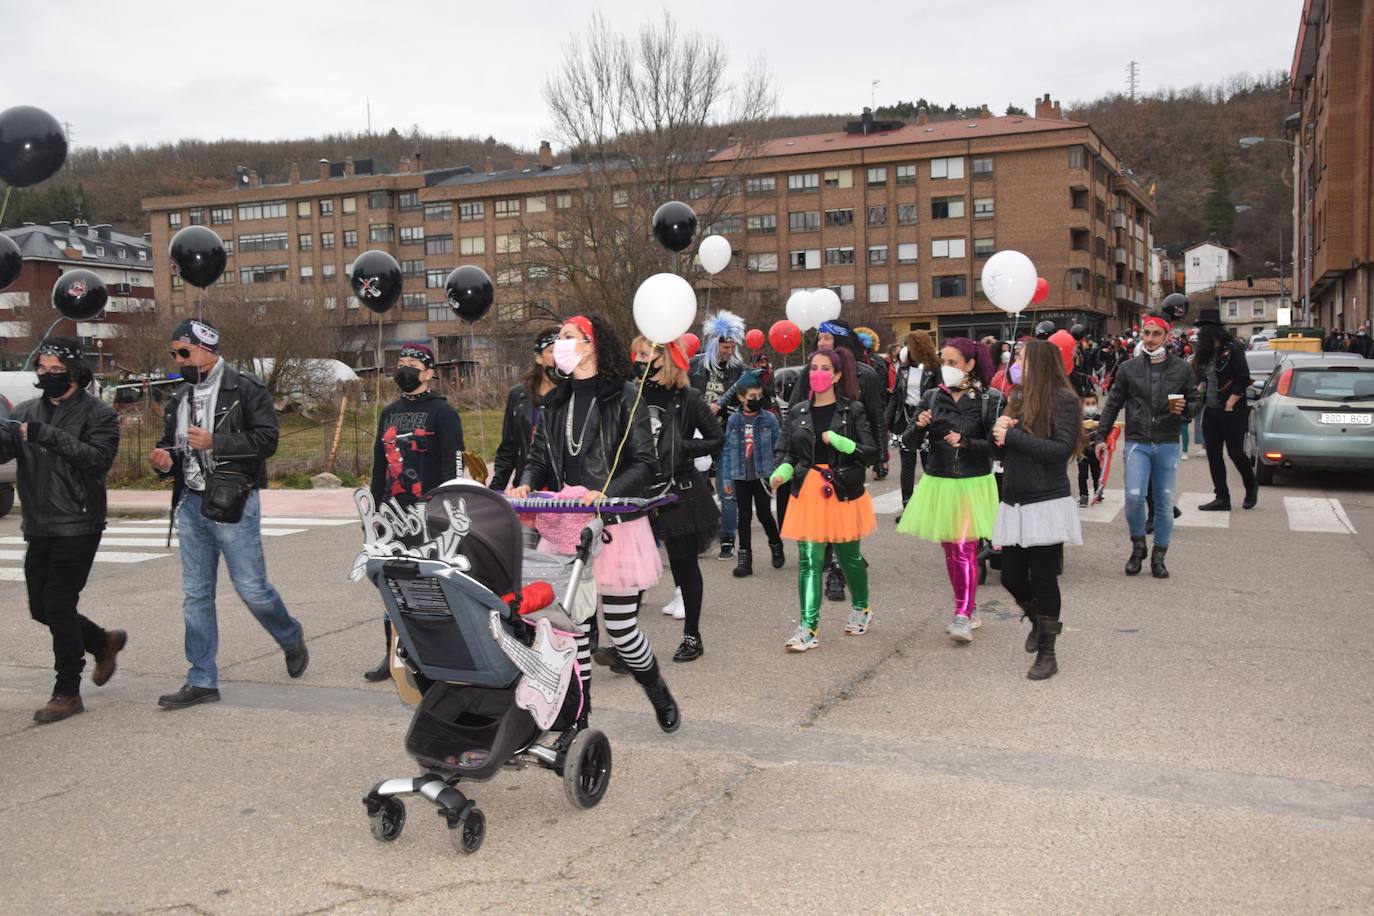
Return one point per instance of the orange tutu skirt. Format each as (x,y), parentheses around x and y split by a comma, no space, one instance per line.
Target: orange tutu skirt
(813,516)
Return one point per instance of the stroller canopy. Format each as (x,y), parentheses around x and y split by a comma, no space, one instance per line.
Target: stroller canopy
(494,539)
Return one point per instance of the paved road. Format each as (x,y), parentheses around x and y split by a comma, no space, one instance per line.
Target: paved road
(1206,746)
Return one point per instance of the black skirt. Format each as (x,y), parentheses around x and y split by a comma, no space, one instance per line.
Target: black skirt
(695,514)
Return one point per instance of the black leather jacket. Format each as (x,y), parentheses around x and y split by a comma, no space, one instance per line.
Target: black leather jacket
(1035,469)
(972,417)
(517,430)
(62,466)
(1146,402)
(245,428)
(677,448)
(797,443)
(899,414)
(606,425)
(871,389)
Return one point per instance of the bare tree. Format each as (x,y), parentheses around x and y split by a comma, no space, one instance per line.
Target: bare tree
(643,116)
(283,338)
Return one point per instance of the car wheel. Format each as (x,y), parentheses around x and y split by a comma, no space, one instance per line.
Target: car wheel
(1264,473)
(6,500)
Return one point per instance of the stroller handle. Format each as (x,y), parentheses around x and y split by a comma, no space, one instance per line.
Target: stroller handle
(611,505)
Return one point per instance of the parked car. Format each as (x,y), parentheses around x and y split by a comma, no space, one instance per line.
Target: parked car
(1261,363)
(15,389)
(1316,411)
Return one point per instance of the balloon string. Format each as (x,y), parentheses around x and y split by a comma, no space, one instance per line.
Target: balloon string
(477,388)
(377,387)
(29,360)
(5,205)
(639,396)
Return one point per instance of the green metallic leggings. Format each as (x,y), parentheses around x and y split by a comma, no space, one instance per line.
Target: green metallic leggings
(811,563)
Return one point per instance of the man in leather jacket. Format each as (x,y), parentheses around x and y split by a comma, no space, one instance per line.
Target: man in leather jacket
(219,422)
(1159,394)
(64,443)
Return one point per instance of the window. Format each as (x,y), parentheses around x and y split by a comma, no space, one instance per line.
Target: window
(759,187)
(350,238)
(412,235)
(435,277)
(843,255)
(272,209)
(1076,157)
(439,244)
(378,200)
(907,291)
(537,204)
(438,311)
(1197,262)
(264,273)
(1233,309)
(978,289)
(809,259)
(877,292)
(220,216)
(906,214)
(1078,280)
(307,274)
(952,167)
(766,224)
(947,208)
(303,209)
(469,246)
(906,174)
(413,268)
(538,272)
(507,244)
(947,248)
(725,224)
(508,276)
(877,216)
(983,248)
(982,167)
(907,252)
(877,177)
(837,218)
(877,254)
(196,217)
(328,271)
(562,201)
(326,208)
(177,282)
(620,198)
(442,211)
(1078,198)
(839,178)
(950,287)
(507,208)
(1256,308)
(381,232)
(803,183)
(331,302)
(305,241)
(228,250)
(982,207)
(762,263)
(413,300)
(845,291)
(173,220)
(350,205)
(268,241)
(408,200)
(804,221)
(472,211)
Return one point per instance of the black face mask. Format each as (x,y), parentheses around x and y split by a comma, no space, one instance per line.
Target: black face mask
(752,405)
(54,384)
(191,374)
(407,378)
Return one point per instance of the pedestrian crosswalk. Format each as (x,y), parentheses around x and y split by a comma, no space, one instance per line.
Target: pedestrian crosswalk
(151,535)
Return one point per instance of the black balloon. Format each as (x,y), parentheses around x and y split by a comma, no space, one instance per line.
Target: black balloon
(79,295)
(11,261)
(1078,332)
(675,224)
(1044,329)
(376,280)
(32,145)
(1174,307)
(470,292)
(197,254)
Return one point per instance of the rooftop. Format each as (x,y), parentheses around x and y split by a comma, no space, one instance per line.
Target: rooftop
(76,241)
(935,132)
(1263,286)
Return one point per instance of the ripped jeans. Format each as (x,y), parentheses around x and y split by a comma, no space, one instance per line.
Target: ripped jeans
(1146,464)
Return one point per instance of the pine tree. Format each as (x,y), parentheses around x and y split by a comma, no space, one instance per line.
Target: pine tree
(1218,209)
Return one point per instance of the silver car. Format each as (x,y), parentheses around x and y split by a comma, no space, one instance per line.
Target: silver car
(1315,411)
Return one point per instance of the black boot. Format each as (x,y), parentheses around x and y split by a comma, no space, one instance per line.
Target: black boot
(1044,665)
(1251,498)
(383,671)
(1157,563)
(1030,610)
(778,558)
(1139,551)
(727,548)
(1217,505)
(834,583)
(656,689)
(744,563)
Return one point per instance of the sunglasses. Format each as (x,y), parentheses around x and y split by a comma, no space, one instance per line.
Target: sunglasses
(827,488)
(183,352)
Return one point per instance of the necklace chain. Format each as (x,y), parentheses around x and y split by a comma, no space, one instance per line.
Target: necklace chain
(575,445)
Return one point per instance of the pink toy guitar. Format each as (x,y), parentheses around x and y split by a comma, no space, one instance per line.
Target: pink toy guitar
(546,668)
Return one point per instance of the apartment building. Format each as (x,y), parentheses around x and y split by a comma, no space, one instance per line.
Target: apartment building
(1250,307)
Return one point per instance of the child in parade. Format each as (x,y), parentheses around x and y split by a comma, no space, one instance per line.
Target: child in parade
(751,434)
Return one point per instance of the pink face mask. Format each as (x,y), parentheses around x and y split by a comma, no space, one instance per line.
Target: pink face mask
(821,381)
(1015,373)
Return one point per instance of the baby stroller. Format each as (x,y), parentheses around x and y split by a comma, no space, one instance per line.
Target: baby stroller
(494,659)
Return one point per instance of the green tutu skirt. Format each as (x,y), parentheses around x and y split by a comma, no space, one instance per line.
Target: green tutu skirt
(951,508)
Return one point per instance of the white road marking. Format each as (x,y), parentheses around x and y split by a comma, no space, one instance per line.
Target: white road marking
(1113,501)
(267,520)
(1306,513)
(890,503)
(1192,518)
(266,532)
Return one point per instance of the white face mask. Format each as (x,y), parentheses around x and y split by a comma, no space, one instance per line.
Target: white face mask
(1154,354)
(952,377)
(904,356)
(565,355)
(1006,356)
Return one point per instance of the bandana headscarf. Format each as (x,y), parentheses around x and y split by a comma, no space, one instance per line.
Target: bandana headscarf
(833,329)
(544,341)
(585,326)
(418,351)
(196,332)
(62,351)
(1157,321)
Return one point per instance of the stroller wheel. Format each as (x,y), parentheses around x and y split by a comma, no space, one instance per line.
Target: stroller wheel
(386,825)
(467,835)
(587,770)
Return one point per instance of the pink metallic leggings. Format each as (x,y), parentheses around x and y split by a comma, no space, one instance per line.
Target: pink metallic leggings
(961,561)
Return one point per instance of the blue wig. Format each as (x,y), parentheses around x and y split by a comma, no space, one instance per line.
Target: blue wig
(722,325)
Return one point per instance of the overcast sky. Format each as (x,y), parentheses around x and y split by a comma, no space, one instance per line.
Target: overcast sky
(150,71)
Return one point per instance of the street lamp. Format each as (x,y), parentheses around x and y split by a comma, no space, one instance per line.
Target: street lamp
(1305,193)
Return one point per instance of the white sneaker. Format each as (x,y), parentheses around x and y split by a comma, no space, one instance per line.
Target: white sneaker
(675,608)
(1184,456)
(974,621)
(803,640)
(959,629)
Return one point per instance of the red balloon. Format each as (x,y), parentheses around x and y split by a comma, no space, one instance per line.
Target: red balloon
(1066,344)
(1042,290)
(691,343)
(784,336)
(754,339)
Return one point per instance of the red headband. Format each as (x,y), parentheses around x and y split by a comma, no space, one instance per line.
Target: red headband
(583,325)
(1156,320)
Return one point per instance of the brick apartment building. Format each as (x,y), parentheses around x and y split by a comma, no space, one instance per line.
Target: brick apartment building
(1332,82)
(897,216)
(123,262)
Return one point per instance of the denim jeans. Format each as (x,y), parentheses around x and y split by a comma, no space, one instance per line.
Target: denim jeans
(202,543)
(1146,464)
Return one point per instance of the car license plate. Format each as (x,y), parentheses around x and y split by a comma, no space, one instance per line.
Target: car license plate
(1348,419)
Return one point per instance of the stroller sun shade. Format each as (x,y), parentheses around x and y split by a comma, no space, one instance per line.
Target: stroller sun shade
(493,541)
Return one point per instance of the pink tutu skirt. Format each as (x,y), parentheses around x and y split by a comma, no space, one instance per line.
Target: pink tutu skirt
(630,562)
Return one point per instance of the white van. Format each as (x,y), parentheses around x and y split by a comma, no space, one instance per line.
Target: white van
(15,389)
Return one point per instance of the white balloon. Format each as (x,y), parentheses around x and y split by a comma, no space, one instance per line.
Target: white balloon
(826,304)
(1009,281)
(801,309)
(714,253)
(665,307)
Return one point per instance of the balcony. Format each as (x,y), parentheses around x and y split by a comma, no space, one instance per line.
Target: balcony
(1118,255)
(1118,220)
